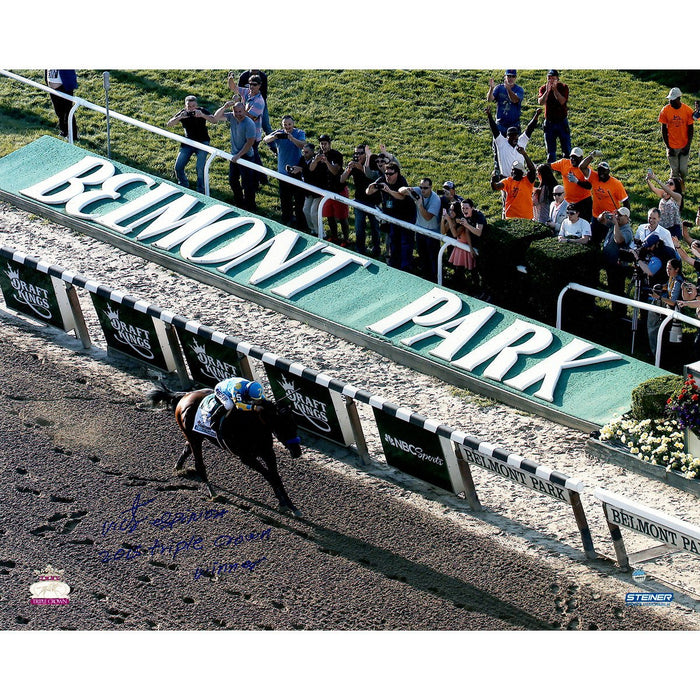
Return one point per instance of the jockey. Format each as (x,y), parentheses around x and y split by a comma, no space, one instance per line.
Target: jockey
(239,393)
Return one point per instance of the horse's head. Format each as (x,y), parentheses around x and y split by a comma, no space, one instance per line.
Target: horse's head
(280,419)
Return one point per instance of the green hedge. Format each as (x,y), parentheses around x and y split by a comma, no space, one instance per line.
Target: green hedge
(550,266)
(649,398)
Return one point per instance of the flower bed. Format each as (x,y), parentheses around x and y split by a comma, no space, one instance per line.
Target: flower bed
(658,437)
(659,442)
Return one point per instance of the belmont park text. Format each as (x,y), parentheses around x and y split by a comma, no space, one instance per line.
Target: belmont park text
(162,215)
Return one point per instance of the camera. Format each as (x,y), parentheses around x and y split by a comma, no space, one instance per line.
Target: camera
(415,195)
(440,192)
(289,169)
(658,289)
(281,134)
(191,113)
(355,157)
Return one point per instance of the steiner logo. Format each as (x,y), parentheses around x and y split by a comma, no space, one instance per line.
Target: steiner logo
(636,599)
(135,338)
(36,298)
(413,450)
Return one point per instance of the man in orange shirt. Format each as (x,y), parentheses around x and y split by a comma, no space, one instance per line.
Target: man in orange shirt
(676,121)
(518,188)
(608,195)
(576,187)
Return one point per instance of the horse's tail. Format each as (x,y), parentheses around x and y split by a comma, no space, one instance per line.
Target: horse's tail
(161,394)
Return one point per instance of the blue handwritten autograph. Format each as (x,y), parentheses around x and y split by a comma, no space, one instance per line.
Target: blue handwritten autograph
(132,518)
(165,521)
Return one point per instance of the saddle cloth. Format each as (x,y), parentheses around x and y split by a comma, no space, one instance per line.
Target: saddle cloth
(202,420)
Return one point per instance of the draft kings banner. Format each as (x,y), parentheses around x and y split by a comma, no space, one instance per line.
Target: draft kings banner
(209,362)
(316,408)
(133,333)
(357,297)
(35,294)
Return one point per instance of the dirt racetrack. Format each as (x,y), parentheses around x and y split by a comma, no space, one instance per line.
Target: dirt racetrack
(81,451)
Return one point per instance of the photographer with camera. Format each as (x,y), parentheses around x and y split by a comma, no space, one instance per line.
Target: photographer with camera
(194,121)
(651,259)
(313,170)
(653,227)
(288,143)
(357,170)
(428,208)
(666,295)
(618,239)
(400,241)
(690,300)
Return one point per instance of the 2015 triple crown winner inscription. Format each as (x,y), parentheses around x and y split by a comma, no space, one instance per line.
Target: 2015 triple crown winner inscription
(136,518)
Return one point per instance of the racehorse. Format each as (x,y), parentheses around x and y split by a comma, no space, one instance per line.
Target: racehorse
(247,434)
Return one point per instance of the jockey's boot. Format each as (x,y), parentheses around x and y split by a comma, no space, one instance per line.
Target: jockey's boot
(216,415)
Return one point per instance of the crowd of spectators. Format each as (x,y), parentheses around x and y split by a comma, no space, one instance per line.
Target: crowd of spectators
(575,195)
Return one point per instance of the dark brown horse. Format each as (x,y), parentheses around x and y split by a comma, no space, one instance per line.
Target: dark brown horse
(247,434)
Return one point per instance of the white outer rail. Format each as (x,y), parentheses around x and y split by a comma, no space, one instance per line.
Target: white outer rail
(670,314)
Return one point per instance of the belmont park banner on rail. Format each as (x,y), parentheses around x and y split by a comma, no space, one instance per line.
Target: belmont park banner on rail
(538,363)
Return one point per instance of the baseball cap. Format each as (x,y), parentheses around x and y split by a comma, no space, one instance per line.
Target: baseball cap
(571,209)
(511,71)
(324,137)
(624,211)
(449,185)
(518,165)
(553,72)
(674,94)
(604,165)
(650,240)
(577,152)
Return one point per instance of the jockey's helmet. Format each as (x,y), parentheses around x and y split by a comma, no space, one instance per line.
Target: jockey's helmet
(255,391)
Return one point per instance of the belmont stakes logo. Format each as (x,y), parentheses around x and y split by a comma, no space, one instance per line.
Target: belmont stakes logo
(136,338)
(49,589)
(210,366)
(36,298)
(315,411)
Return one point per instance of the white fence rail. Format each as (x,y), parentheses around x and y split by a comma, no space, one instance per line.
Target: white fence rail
(669,313)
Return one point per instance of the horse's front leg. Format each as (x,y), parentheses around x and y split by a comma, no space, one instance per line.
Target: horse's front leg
(267,466)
